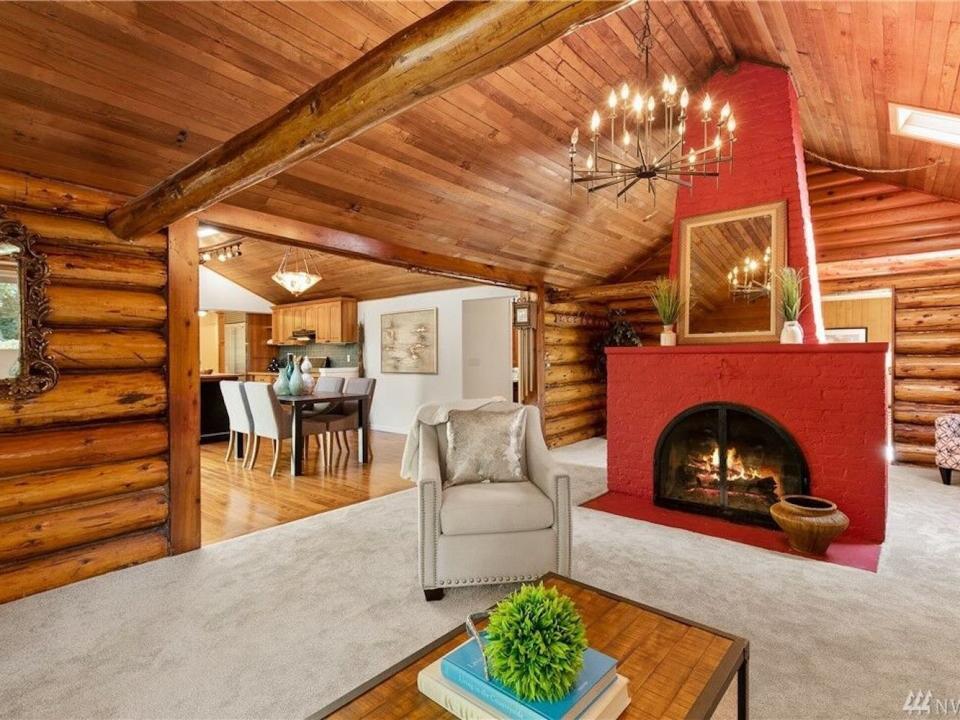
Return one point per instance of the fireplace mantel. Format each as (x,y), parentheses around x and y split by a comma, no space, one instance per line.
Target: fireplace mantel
(830,397)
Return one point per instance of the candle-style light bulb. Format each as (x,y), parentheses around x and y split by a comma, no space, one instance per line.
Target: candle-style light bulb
(589,162)
(612,100)
(673,84)
(707,104)
(651,104)
(692,157)
(724,111)
(731,125)
(624,92)
(626,138)
(574,136)
(716,141)
(665,85)
(595,121)
(637,103)
(684,99)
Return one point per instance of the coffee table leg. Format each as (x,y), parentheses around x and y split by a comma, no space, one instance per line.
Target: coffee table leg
(296,449)
(743,689)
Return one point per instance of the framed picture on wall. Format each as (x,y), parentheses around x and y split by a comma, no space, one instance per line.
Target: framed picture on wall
(408,342)
(847,335)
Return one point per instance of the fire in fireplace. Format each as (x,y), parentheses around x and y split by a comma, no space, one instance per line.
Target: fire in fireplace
(727,460)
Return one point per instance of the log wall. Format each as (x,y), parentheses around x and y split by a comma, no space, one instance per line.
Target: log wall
(871,235)
(575,395)
(84,475)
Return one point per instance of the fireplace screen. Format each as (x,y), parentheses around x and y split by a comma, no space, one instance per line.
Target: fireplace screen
(727,460)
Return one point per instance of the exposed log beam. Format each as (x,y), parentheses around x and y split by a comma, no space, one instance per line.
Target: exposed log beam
(335,242)
(703,14)
(459,42)
(618,291)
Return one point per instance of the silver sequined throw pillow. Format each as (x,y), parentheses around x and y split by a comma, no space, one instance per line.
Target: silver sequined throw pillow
(486,446)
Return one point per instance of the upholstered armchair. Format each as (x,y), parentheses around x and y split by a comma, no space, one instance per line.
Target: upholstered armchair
(947,436)
(495,532)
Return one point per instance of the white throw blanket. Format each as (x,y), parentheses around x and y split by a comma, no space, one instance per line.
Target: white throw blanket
(433,414)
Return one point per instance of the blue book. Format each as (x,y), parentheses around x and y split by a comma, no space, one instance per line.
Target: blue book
(464,668)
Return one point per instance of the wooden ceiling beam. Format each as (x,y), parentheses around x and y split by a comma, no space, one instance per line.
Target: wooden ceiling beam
(617,291)
(703,15)
(451,46)
(335,242)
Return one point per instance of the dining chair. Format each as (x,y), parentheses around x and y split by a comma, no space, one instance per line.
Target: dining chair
(272,420)
(238,415)
(348,418)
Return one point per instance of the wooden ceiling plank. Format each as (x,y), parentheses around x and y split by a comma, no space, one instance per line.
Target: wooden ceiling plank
(702,13)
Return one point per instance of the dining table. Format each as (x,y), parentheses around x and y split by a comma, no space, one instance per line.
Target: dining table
(298,402)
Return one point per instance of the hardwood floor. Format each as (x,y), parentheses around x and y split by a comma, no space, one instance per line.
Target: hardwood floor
(235,501)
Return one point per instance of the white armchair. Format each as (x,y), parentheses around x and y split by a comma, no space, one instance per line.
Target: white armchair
(486,533)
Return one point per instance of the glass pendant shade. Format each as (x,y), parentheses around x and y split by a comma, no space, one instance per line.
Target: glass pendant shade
(294,272)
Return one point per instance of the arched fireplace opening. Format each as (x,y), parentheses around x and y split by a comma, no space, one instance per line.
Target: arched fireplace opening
(727,460)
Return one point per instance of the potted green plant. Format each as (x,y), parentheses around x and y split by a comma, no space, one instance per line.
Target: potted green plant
(666,301)
(620,333)
(535,643)
(791,303)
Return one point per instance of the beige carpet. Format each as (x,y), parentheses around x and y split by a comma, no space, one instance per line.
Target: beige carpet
(278,623)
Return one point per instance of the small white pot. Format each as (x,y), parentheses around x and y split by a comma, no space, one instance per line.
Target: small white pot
(668,338)
(792,333)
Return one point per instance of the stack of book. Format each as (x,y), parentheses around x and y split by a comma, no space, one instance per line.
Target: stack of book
(456,682)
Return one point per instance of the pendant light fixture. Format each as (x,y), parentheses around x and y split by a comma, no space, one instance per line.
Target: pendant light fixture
(294,272)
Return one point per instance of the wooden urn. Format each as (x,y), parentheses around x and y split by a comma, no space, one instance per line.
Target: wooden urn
(811,523)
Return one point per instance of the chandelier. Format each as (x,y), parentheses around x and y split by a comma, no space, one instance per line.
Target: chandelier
(747,282)
(294,272)
(633,152)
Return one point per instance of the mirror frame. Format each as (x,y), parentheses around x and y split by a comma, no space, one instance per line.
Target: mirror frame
(778,244)
(38,373)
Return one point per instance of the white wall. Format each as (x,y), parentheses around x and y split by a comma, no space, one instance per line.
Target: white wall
(219,293)
(487,346)
(398,396)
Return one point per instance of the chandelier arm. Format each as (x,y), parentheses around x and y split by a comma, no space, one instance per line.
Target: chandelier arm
(667,152)
(628,186)
(682,173)
(606,185)
(676,181)
(606,176)
(674,165)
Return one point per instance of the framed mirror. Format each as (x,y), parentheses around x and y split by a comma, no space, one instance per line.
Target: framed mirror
(728,265)
(25,367)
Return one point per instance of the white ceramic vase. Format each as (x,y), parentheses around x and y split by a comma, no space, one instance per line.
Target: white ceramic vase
(792,333)
(668,338)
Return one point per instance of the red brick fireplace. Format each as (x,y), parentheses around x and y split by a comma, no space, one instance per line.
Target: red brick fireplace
(828,400)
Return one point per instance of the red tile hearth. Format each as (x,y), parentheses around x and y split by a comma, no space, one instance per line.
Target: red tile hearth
(830,398)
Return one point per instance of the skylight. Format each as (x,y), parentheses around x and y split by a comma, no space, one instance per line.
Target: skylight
(929,125)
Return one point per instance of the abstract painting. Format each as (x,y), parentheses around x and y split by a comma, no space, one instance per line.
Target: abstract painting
(408,342)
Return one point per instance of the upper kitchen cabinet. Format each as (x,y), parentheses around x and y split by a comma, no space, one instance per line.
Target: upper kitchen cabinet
(331,320)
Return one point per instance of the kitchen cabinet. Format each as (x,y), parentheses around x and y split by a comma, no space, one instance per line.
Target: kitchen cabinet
(333,320)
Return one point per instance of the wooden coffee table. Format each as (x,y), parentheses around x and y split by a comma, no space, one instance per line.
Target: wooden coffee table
(677,668)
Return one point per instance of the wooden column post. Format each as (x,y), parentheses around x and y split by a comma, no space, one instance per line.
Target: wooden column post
(540,353)
(183,376)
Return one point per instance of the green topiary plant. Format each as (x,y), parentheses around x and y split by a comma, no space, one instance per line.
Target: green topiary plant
(535,643)
(666,299)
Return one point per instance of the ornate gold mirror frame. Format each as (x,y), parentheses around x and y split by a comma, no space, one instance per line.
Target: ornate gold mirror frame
(38,373)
